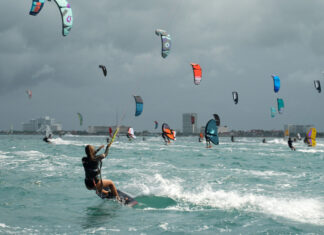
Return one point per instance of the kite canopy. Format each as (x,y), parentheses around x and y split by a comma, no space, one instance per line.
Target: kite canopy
(139,105)
(104,70)
(235,97)
(165,40)
(66,14)
(197,73)
(273,112)
(281,105)
(80,118)
(36,7)
(217,119)
(29,93)
(168,132)
(156,124)
(317,85)
(65,10)
(276,83)
(211,132)
(311,137)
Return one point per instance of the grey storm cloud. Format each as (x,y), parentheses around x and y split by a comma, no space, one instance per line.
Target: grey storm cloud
(239,45)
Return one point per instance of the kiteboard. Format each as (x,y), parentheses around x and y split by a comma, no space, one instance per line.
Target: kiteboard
(125,199)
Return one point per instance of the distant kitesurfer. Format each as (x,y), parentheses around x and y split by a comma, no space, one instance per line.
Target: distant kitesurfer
(201,137)
(306,141)
(232,138)
(128,137)
(290,144)
(92,166)
(47,138)
(165,138)
(264,141)
(208,143)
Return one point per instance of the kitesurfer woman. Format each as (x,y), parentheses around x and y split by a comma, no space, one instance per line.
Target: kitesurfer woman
(92,167)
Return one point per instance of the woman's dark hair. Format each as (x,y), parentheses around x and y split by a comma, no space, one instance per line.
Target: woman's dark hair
(88,151)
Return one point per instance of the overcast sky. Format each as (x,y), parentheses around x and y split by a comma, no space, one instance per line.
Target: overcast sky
(238,43)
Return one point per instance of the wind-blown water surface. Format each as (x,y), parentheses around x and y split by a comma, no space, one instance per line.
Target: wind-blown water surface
(245,187)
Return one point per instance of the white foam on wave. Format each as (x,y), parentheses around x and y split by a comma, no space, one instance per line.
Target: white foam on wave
(303,210)
(318,144)
(69,135)
(59,141)
(164,226)
(277,141)
(312,150)
(5,229)
(261,173)
(30,153)
(245,140)
(4,157)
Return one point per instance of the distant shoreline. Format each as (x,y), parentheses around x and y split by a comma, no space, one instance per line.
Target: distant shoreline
(252,133)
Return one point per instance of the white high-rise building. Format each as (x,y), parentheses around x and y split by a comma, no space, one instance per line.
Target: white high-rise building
(41,124)
(190,123)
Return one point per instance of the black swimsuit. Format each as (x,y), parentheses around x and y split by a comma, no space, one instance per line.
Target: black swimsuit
(92,172)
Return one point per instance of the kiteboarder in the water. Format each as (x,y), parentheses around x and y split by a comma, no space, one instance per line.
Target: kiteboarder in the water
(92,167)
(168,134)
(208,142)
(211,133)
(290,144)
(47,138)
(129,137)
(165,138)
(201,137)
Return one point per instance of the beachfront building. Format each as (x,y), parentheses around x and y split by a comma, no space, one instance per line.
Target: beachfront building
(98,129)
(292,130)
(221,129)
(40,124)
(105,129)
(189,123)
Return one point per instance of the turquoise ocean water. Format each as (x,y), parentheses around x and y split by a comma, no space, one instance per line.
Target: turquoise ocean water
(235,188)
